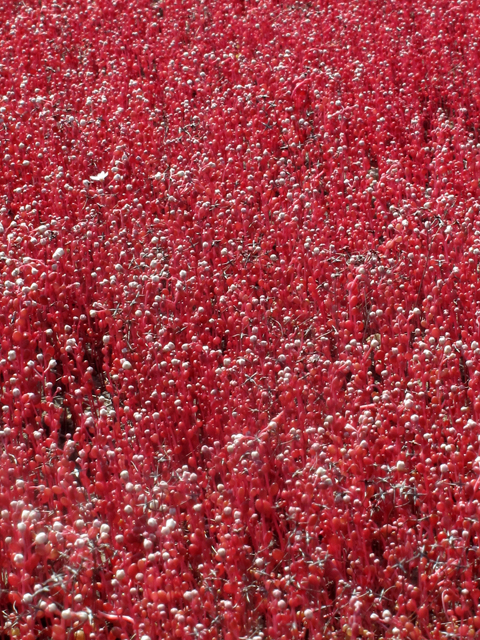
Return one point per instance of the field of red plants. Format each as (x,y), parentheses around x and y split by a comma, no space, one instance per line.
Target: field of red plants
(239,319)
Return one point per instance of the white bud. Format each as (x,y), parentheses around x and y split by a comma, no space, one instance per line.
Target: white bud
(41,538)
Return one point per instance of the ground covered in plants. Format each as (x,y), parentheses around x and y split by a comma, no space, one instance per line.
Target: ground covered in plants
(239,320)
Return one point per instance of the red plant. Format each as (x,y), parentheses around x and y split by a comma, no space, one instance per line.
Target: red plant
(240,341)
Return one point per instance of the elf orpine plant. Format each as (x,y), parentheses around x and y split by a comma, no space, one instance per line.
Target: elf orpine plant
(240,345)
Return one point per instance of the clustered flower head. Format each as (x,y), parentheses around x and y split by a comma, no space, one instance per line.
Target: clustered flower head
(240,334)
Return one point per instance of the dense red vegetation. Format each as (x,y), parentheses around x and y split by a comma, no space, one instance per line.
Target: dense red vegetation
(239,252)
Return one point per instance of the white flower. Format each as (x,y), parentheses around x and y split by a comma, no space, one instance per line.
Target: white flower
(99,177)
(171,524)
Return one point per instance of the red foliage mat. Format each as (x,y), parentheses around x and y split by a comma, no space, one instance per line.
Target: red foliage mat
(239,252)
